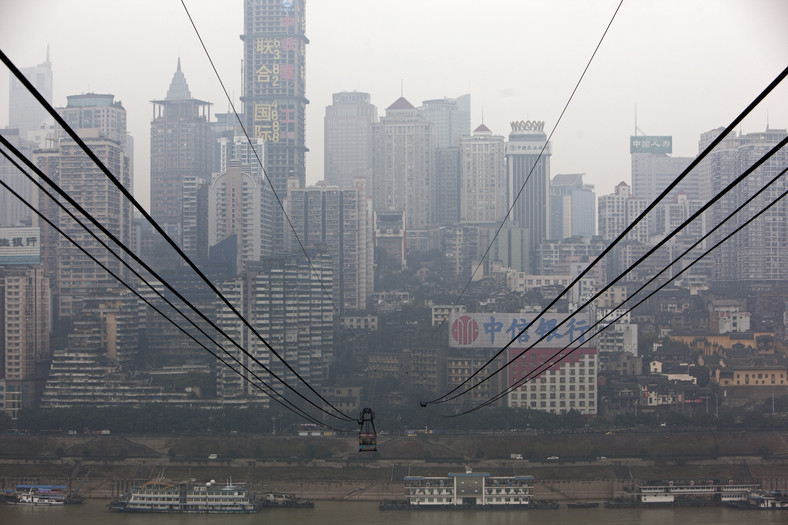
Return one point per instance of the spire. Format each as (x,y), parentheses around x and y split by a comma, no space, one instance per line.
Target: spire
(179,89)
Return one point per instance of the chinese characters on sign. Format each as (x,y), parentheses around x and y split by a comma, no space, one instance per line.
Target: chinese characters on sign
(496,330)
(662,144)
(19,246)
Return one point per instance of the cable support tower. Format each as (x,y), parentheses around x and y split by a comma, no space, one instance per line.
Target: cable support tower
(621,236)
(126,193)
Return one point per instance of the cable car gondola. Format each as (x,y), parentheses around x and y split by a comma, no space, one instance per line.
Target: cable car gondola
(367,437)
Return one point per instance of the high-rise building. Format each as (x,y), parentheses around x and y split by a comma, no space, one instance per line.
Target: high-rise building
(403,164)
(528,179)
(25,113)
(653,169)
(483,177)
(274,91)
(337,221)
(451,120)
(101,123)
(13,212)
(348,147)
(618,210)
(24,320)
(236,201)
(572,207)
(285,299)
(759,251)
(180,165)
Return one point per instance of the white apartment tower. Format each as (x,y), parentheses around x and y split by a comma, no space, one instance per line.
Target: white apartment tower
(402,177)
(482,177)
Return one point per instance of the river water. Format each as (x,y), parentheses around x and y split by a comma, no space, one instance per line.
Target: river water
(95,512)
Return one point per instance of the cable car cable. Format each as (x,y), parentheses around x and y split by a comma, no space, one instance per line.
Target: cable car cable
(260,162)
(272,394)
(536,162)
(17,73)
(650,252)
(128,251)
(623,234)
(541,369)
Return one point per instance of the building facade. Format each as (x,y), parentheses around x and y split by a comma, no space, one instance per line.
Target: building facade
(24,320)
(338,222)
(348,146)
(528,178)
(274,92)
(403,165)
(765,240)
(180,163)
(288,301)
(482,177)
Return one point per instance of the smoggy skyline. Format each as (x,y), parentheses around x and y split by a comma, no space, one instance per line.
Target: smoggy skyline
(687,66)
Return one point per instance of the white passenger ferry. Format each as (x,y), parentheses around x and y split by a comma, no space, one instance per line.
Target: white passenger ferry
(208,498)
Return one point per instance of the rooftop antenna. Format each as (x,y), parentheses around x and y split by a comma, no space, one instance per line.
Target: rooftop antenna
(401,87)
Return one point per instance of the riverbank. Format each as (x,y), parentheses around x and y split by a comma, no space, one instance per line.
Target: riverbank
(102,466)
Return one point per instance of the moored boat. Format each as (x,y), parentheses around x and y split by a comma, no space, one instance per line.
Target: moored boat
(283,500)
(38,495)
(582,505)
(169,497)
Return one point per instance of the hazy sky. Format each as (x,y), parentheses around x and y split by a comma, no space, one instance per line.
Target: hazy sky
(688,65)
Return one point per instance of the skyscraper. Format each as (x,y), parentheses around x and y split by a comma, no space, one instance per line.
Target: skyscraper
(24,111)
(403,164)
(451,120)
(180,164)
(759,251)
(482,177)
(236,200)
(274,91)
(285,299)
(528,181)
(572,207)
(337,221)
(653,169)
(348,145)
(101,123)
